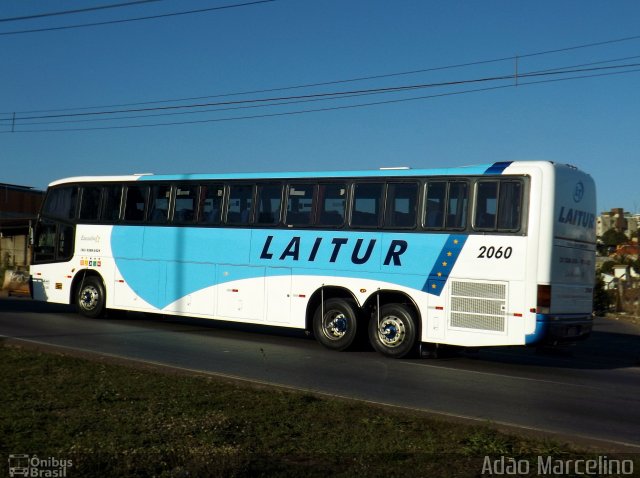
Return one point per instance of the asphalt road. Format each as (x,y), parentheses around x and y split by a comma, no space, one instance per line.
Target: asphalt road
(592,392)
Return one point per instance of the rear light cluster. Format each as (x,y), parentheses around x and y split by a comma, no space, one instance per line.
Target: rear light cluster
(543,303)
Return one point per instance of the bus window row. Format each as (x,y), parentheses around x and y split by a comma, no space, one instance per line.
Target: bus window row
(432,204)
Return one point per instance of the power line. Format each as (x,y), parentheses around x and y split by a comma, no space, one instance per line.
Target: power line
(600,62)
(352,106)
(335,108)
(275,102)
(177,113)
(303,99)
(127,20)
(331,95)
(343,81)
(79,10)
(336,95)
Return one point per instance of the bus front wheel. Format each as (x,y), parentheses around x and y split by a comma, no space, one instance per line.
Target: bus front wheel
(91,297)
(335,323)
(393,332)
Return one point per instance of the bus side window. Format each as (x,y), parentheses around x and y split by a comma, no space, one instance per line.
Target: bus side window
(366,209)
(44,242)
(65,242)
(457,202)
(134,207)
(332,201)
(239,205)
(269,202)
(61,202)
(159,203)
(498,205)
(299,204)
(402,201)
(53,242)
(184,210)
(111,196)
(435,201)
(90,203)
(510,205)
(210,210)
(486,205)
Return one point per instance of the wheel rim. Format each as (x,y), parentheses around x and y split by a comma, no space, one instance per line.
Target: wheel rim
(334,325)
(392,331)
(89,297)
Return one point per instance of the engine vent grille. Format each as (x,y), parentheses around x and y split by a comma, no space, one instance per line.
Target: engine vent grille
(478,306)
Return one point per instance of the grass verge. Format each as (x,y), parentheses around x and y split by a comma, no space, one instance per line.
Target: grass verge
(119,420)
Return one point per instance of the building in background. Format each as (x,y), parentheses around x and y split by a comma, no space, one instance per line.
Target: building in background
(619,220)
(19,206)
(621,279)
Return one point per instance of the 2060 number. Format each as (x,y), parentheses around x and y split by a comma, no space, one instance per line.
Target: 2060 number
(495,253)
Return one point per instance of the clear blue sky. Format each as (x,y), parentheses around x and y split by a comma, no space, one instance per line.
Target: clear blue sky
(593,123)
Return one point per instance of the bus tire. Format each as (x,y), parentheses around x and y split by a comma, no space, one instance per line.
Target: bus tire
(336,324)
(91,298)
(394,333)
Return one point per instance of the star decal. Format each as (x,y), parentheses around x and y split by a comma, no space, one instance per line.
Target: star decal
(445,261)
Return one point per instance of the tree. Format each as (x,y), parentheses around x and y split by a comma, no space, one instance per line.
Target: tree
(612,238)
(601,298)
(607,267)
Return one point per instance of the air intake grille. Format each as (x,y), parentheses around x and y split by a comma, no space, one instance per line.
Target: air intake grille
(482,290)
(478,306)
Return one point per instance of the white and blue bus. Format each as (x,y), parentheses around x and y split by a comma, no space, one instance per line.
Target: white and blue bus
(489,255)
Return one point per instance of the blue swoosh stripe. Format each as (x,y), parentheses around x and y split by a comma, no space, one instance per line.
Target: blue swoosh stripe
(498,168)
(443,265)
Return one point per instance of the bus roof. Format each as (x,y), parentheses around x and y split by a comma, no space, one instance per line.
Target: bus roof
(473,170)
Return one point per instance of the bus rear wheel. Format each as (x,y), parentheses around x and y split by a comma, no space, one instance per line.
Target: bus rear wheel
(394,333)
(91,297)
(335,324)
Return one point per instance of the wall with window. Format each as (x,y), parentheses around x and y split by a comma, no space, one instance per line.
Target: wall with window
(19,206)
